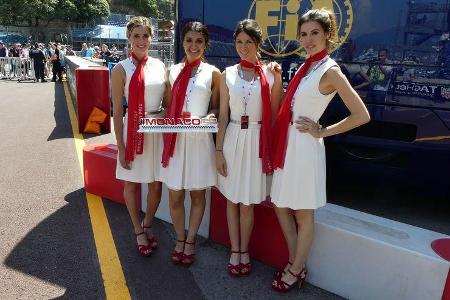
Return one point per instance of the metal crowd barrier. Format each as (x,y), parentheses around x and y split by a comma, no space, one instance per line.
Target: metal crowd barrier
(16,68)
(165,51)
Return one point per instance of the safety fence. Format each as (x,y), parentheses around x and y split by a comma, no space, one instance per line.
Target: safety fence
(16,68)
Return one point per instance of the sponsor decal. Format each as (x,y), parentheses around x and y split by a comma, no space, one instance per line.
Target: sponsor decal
(278,20)
(189,124)
(445,93)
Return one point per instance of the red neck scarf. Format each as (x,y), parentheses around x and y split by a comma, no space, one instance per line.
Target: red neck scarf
(265,137)
(177,98)
(285,114)
(136,105)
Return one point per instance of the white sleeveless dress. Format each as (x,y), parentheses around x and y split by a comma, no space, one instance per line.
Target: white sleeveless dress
(145,167)
(193,166)
(301,184)
(246,182)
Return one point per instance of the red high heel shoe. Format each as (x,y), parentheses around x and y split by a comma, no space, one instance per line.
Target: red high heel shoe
(280,286)
(153,242)
(245,269)
(278,274)
(234,270)
(144,250)
(177,256)
(188,259)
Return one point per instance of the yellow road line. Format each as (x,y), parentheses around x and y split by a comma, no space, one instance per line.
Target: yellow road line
(112,273)
(433,138)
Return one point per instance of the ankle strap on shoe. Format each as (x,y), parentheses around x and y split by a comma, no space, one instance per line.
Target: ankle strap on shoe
(298,275)
(181,241)
(235,251)
(189,243)
(140,233)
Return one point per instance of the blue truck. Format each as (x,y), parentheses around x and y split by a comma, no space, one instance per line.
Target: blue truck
(395,53)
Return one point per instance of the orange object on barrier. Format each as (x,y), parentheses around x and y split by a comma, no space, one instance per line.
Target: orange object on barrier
(92,90)
(99,166)
(267,243)
(96,118)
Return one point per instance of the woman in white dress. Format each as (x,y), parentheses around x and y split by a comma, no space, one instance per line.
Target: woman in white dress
(249,94)
(298,184)
(142,81)
(188,157)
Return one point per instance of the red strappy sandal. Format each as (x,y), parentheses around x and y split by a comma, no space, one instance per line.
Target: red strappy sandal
(278,274)
(234,270)
(144,250)
(280,286)
(188,259)
(177,256)
(245,269)
(153,242)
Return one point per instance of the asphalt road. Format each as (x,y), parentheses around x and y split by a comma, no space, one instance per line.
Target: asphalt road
(47,246)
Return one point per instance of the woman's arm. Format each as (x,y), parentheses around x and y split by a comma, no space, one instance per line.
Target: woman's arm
(214,103)
(117,89)
(366,81)
(223,122)
(335,80)
(166,98)
(276,94)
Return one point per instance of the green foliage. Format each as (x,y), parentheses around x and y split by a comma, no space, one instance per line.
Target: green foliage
(34,12)
(40,12)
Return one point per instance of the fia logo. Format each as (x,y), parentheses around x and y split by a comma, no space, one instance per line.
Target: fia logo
(278,20)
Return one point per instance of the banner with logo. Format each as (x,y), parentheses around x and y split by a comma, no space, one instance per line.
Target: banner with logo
(423,90)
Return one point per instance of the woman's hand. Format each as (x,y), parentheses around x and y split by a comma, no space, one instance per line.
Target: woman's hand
(221,164)
(125,164)
(274,67)
(306,125)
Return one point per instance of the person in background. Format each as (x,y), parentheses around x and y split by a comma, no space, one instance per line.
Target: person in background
(56,63)
(62,57)
(90,51)
(377,75)
(96,52)
(69,51)
(105,53)
(83,50)
(39,59)
(3,50)
(49,52)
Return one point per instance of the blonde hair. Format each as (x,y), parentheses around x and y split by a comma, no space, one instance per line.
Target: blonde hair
(139,21)
(327,21)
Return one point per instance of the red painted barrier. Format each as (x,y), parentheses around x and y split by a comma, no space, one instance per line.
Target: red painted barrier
(267,243)
(99,165)
(442,248)
(93,90)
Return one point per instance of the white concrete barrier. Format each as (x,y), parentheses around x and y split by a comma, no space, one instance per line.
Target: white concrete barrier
(361,256)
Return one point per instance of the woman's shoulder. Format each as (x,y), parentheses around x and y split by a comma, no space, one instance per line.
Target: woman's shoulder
(232,68)
(155,61)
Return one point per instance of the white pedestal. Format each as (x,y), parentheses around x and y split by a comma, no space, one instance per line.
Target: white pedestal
(361,256)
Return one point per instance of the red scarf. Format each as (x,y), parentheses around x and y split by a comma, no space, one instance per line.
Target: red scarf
(177,98)
(136,109)
(265,137)
(285,114)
